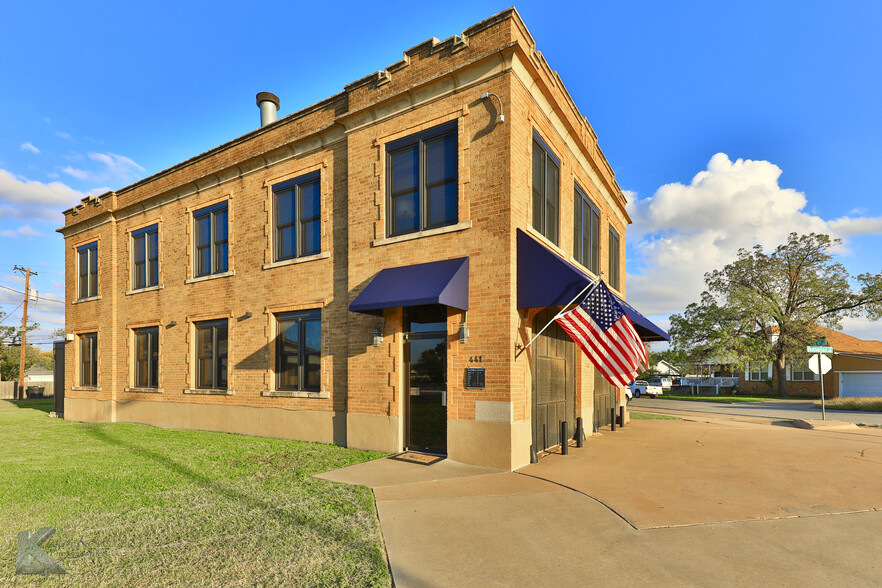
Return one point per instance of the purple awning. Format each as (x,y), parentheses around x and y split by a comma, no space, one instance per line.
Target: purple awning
(545,279)
(437,282)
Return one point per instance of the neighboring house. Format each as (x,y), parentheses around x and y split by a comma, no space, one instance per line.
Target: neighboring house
(363,271)
(667,369)
(856,371)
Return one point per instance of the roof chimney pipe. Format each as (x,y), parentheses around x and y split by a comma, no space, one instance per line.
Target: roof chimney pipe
(269,105)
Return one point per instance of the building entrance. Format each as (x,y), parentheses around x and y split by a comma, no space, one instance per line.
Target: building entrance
(426,361)
(554,382)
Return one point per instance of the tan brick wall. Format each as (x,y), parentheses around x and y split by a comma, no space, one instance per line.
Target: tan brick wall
(345,138)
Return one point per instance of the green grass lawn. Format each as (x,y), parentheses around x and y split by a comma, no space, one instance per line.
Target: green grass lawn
(866,404)
(725,398)
(136,505)
(645,416)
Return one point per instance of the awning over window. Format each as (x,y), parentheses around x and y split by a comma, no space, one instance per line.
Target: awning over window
(545,279)
(437,282)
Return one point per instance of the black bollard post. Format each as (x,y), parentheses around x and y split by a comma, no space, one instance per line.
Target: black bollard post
(564,442)
(622,416)
(533,457)
(580,433)
(612,414)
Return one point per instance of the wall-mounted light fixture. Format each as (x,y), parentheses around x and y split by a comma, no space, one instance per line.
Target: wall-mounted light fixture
(501,118)
(378,337)
(171,324)
(247,315)
(463,332)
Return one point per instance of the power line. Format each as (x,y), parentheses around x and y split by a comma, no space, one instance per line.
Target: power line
(3,320)
(38,297)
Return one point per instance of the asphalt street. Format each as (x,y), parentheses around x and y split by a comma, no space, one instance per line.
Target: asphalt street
(777,409)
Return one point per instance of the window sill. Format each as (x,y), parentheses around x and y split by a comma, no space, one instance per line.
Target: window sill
(145,390)
(427,233)
(86,388)
(296,260)
(208,392)
(226,274)
(295,394)
(147,289)
(546,241)
(89,299)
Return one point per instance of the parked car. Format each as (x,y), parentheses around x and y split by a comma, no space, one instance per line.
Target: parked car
(640,388)
(665,383)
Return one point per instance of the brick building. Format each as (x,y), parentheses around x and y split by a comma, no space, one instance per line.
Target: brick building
(856,370)
(331,275)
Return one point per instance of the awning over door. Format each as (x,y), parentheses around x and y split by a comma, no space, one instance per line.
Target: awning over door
(437,282)
(545,279)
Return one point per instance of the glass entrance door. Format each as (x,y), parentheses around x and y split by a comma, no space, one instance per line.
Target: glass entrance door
(427,381)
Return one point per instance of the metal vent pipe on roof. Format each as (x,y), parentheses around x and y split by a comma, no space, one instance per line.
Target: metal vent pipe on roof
(269,106)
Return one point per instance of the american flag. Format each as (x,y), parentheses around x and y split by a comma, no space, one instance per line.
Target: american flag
(604,332)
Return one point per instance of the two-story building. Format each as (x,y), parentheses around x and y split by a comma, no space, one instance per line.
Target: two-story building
(365,271)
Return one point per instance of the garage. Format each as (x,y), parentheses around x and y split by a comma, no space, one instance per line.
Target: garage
(853,384)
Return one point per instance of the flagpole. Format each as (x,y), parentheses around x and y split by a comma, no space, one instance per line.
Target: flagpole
(585,292)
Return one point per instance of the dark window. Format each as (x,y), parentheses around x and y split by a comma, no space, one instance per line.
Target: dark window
(421,181)
(298,351)
(546,190)
(586,231)
(298,208)
(88,261)
(211,248)
(613,259)
(211,355)
(89,359)
(147,357)
(145,257)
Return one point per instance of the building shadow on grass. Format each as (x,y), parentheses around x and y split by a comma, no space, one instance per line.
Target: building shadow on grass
(42,404)
(281,515)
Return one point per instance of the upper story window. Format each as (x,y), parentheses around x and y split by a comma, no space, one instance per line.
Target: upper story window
(586,231)
(89,359)
(298,351)
(422,180)
(147,357)
(297,217)
(211,355)
(87,259)
(546,189)
(145,257)
(613,259)
(210,240)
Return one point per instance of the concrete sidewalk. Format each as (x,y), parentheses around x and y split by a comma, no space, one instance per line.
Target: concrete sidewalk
(670,503)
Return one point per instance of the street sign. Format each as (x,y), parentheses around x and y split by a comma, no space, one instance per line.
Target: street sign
(819,349)
(824,367)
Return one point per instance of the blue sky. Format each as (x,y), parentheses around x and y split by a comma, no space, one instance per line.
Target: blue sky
(727,124)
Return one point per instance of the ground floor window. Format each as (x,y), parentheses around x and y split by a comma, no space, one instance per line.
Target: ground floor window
(298,351)
(758,371)
(89,359)
(147,357)
(801,373)
(211,355)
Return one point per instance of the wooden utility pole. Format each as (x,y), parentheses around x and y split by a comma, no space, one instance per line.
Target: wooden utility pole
(24,329)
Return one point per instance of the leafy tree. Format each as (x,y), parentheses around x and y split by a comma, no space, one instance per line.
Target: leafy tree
(767,306)
(10,350)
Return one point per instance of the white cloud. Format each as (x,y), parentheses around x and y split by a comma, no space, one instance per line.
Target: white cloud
(22,198)
(683,231)
(29,147)
(63,135)
(115,167)
(23,230)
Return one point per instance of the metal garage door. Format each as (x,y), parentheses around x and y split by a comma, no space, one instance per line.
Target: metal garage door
(860,384)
